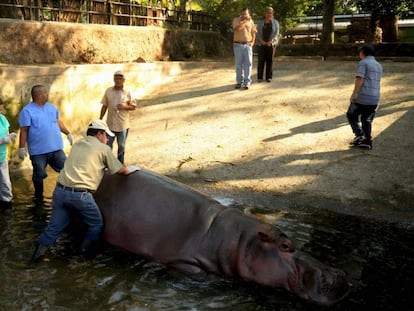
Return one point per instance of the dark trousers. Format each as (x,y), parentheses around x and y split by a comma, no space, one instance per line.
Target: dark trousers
(266,55)
(55,159)
(364,112)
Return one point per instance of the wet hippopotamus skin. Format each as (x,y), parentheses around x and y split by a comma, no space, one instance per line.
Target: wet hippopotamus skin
(168,222)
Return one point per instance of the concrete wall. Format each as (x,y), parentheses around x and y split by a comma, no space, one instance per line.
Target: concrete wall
(78,89)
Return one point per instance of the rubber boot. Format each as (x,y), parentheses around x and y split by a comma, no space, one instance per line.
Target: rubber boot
(6,205)
(38,253)
(85,246)
(38,195)
(88,249)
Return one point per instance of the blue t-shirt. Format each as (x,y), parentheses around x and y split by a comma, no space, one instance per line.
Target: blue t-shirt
(4,131)
(371,71)
(43,135)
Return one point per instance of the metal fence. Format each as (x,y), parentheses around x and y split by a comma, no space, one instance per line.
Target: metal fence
(105,12)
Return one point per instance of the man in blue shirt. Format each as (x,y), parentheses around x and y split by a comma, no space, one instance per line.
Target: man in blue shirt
(365,97)
(40,128)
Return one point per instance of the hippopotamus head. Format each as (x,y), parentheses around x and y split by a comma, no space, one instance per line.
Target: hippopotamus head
(273,261)
(318,282)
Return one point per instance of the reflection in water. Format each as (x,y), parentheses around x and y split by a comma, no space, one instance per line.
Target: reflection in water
(378,258)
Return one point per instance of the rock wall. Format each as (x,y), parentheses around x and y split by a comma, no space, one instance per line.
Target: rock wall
(27,42)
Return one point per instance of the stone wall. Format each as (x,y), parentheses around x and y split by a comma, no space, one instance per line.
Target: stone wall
(26,42)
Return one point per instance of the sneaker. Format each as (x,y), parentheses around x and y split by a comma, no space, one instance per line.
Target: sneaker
(365,144)
(269,80)
(357,140)
(238,86)
(259,80)
(246,86)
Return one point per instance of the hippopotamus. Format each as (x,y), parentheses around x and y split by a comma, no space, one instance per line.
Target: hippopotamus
(166,221)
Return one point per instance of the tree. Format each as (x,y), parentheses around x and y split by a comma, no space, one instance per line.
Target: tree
(387,13)
(226,10)
(328,36)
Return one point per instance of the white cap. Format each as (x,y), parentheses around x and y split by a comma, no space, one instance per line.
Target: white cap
(119,73)
(100,125)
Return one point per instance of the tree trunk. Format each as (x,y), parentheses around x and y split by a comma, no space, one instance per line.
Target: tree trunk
(389,25)
(328,22)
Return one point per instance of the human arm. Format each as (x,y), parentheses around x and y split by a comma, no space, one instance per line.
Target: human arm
(129,105)
(65,131)
(251,43)
(103,111)
(359,81)
(22,142)
(62,127)
(276,32)
(240,23)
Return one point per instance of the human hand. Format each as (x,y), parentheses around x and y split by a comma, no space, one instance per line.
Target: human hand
(8,139)
(133,168)
(12,136)
(70,139)
(5,140)
(353,97)
(22,153)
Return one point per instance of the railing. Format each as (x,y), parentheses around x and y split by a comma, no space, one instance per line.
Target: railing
(105,12)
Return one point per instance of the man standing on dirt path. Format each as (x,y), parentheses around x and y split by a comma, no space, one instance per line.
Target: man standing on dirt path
(365,97)
(243,40)
(118,102)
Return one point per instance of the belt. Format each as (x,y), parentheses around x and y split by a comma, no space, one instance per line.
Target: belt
(240,42)
(74,189)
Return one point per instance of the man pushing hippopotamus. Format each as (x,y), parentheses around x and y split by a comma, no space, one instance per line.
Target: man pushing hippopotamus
(168,222)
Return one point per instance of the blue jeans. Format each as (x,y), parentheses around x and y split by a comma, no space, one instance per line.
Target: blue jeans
(67,203)
(243,54)
(364,112)
(55,159)
(121,138)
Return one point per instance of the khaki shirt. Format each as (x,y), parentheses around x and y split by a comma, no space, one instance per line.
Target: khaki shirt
(84,167)
(117,120)
(247,34)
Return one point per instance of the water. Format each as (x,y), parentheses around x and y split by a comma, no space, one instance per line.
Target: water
(377,257)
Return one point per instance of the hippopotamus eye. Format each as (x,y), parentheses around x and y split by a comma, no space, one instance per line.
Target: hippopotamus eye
(284,247)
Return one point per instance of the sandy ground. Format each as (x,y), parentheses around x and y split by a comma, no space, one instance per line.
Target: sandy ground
(282,145)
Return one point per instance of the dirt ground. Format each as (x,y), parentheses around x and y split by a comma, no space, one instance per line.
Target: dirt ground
(282,145)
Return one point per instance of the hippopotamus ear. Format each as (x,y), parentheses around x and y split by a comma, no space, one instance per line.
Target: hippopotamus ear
(274,236)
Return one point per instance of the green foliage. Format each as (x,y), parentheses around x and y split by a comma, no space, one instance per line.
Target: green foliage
(158,3)
(399,8)
(285,10)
